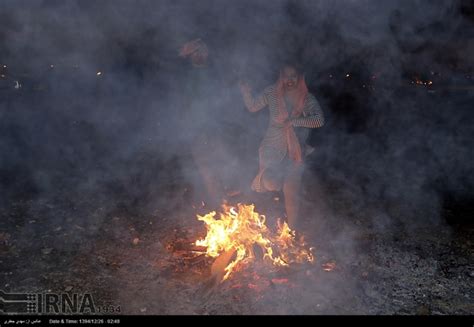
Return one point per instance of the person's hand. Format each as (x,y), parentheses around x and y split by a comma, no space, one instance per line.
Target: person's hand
(288,123)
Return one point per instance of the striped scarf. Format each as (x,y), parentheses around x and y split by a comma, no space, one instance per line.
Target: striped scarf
(297,98)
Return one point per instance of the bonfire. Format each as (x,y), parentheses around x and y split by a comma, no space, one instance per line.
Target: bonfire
(239,233)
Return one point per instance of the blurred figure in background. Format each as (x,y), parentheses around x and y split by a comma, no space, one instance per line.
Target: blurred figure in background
(207,137)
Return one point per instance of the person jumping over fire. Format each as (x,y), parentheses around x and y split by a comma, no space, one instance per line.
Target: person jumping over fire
(293,111)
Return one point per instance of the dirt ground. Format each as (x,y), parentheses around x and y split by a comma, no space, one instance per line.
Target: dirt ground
(81,242)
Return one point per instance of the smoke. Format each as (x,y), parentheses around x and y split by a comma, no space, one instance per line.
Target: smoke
(103,103)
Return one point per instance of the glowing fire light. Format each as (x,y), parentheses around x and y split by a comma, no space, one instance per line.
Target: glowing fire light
(240,228)
(329,266)
(417,81)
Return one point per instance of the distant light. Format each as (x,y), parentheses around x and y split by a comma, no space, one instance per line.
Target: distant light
(330,75)
(430,82)
(4,66)
(99,73)
(52,66)
(348,75)
(3,76)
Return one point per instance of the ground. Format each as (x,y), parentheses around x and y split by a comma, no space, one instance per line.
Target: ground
(82,242)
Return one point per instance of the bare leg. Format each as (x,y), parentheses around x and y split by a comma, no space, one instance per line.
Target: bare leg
(202,154)
(291,192)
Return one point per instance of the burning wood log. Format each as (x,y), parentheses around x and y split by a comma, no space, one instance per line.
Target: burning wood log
(218,270)
(233,238)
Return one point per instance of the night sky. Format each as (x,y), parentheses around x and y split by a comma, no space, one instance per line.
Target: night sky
(100,81)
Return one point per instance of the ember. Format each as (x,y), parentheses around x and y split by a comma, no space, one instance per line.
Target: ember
(231,239)
(329,266)
(418,81)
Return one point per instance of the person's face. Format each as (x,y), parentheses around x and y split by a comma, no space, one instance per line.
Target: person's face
(290,77)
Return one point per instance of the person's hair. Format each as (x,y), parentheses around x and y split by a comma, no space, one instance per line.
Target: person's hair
(291,64)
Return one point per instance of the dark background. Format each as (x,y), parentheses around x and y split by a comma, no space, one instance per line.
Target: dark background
(394,78)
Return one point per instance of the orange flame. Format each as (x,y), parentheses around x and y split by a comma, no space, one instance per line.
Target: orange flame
(240,229)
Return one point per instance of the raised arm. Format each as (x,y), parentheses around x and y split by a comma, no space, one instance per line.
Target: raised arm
(252,104)
(313,116)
